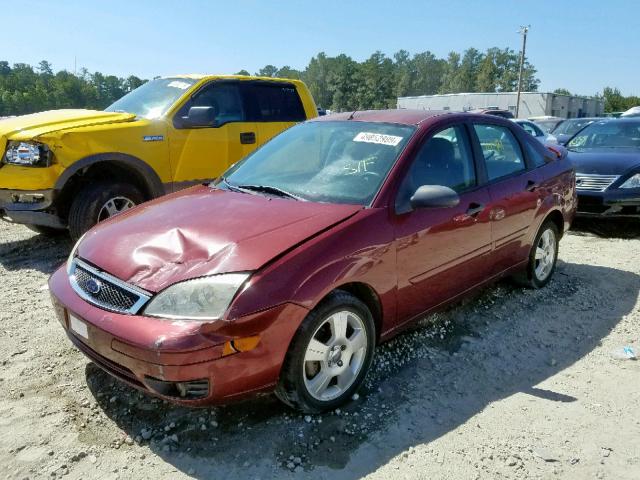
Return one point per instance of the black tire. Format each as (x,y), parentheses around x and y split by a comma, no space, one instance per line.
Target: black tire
(529,278)
(90,199)
(291,388)
(47,231)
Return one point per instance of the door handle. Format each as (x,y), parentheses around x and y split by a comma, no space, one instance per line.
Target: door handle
(532,185)
(247,138)
(474,209)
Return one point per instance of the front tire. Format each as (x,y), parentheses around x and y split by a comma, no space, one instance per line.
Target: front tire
(542,258)
(97,202)
(329,356)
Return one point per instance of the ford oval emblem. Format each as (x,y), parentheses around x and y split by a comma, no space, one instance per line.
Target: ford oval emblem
(93,286)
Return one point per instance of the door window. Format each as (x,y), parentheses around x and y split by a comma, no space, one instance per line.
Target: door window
(275,102)
(501,150)
(223,97)
(445,159)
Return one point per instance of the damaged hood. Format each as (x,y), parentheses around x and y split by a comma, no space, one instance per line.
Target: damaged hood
(27,127)
(203,231)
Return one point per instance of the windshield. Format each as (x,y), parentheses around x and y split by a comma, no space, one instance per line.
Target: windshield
(571,127)
(621,134)
(333,162)
(154,98)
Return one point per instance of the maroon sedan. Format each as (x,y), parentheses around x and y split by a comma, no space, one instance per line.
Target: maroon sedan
(286,272)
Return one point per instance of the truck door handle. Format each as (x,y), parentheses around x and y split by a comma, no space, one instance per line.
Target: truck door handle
(474,209)
(247,138)
(532,186)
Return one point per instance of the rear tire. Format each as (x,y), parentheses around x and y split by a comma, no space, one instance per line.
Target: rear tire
(98,201)
(46,231)
(542,258)
(329,356)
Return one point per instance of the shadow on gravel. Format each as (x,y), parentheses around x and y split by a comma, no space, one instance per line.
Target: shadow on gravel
(38,252)
(424,383)
(607,228)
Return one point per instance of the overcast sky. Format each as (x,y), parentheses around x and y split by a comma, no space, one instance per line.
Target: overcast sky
(579,45)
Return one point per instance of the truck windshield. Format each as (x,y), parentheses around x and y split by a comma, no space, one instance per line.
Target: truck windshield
(154,98)
(330,161)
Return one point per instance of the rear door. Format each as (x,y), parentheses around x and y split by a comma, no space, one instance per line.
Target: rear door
(513,190)
(441,252)
(203,153)
(274,106)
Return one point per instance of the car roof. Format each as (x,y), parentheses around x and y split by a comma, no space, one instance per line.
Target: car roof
(401,116)
(210,76)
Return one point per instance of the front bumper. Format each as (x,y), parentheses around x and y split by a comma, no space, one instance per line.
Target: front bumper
(30,207)
(614,203)
(147,352)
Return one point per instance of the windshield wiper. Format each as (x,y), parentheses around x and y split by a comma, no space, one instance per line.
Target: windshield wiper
(233,188)
(269,189)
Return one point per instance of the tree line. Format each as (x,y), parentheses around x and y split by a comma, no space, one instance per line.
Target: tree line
(337,82)
(341,83)
(24,89)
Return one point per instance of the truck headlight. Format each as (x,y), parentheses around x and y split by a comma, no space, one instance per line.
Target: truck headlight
(201,299)
(28,154)
(632,182)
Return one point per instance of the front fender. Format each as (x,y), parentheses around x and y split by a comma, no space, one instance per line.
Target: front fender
(136,165)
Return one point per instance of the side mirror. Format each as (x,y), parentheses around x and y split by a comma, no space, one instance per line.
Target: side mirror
(434,196)
(200,117)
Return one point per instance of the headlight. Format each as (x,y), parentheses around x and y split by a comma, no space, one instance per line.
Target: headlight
(28,154)
(201,299)
(632,182)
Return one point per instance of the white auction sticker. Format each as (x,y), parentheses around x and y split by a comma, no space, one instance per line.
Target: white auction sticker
(380,138)
(179,84)
(78,326)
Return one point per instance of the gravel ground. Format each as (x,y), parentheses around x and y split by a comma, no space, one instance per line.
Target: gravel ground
(511,384)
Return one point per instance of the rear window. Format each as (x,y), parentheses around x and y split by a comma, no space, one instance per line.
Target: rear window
(272,103)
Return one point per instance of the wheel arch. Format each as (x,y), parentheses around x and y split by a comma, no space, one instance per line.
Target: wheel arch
(557,218)
(114,165)
(367,295)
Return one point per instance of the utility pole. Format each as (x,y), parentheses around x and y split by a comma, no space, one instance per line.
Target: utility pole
(523,31)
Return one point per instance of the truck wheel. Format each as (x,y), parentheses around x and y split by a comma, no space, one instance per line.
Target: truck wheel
(329,355)
(46,231)
(97,202)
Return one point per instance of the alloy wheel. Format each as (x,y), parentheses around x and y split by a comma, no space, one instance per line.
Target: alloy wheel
(335,355)
(114,206)
(545,254)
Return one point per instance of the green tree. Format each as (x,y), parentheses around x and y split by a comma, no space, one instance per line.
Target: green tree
(267,71)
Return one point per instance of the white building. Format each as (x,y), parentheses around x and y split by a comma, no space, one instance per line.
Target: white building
(532,104)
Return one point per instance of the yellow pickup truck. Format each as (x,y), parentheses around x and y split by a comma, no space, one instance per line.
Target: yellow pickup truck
(69,169)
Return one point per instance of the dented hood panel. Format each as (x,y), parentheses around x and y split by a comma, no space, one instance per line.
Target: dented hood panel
(203,231)
(28,127)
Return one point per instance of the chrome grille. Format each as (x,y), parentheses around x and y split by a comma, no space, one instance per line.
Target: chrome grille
(104,290)
(594,182)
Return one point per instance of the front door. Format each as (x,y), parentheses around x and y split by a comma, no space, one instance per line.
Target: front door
(203,153)
(441,252)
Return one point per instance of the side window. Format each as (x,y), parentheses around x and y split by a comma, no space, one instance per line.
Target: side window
(501,151)
(536,153)
(275,102)
(445,159)
(225,100)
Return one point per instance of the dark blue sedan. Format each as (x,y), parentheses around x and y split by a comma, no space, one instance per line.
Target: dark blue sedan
(606,156)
